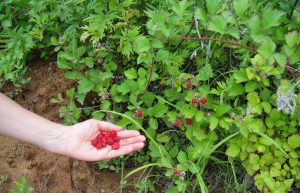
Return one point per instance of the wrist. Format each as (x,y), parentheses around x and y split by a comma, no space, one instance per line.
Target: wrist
(55,139)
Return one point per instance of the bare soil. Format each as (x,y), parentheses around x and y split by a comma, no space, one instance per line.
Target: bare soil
(45,171)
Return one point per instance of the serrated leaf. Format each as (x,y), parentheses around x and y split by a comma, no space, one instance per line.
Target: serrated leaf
(131,73)
(292,38)
(240,7)
(233,150)
(294,141)
(182,157)
(153,123)
(213,122)
(85,86)
(212,5)
(217,24)
(142,44)
(271,17)
(205,73)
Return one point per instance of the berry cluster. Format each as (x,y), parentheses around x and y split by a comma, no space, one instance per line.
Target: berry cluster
(105,138)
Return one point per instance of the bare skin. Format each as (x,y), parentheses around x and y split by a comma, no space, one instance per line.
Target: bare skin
(73,141)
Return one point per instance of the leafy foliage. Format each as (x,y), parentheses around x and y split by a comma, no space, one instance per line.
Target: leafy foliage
(128,55)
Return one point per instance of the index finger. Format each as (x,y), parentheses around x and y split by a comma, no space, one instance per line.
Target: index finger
(107,126)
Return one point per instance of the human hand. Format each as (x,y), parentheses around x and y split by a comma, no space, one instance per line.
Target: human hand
(76,141)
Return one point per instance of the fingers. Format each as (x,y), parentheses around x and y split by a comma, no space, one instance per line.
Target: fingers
(107,126)
(128,133)
(124,150)
(132,140)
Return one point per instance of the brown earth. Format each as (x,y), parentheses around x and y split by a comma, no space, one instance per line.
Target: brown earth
(45,171)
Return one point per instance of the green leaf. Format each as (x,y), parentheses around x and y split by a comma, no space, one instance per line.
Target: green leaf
(280,59)
(131,73)
(161,55)
(85,86)
(240,75)
(233,150)
(251,86)
(212,5)
(73,75)
(142,44)
(213,122)
(266,48)
(153,123)
(253,158)
(199,115)
(182,157)
(217,24)
(205,73)
(64,64)
(271,17)
(253,98)
(292,38)
(240,7)
(294,141)
(221,109)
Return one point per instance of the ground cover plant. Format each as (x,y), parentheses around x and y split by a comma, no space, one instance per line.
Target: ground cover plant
(208,82)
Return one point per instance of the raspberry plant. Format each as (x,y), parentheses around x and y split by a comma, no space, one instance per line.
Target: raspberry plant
(194,76)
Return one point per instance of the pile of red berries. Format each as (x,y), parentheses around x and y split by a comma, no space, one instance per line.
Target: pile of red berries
(105,138)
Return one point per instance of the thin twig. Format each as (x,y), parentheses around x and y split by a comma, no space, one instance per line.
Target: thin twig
(150,75)
(184,36)
(212,39)
(293,9)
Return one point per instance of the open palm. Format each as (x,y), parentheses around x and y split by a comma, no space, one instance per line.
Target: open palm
(78,141)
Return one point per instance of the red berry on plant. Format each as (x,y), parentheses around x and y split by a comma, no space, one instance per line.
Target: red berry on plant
(176,172)
(195,101)
(115,146)
(188,121)
(138,114)
(203,101)
(177,123)
(189,85)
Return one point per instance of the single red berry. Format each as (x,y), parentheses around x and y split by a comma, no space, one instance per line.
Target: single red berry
(94,142)
(104,141)
(115,146)
(99,146)
(203,101)
(138,114)
(117,138)
(176,172)
(99,137)
(113,133)
(104,145)
(188,121)
(195,101)
(110,141)
(177,123)
(189,85)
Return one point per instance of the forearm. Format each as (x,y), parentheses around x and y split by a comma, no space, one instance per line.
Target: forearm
(19,123)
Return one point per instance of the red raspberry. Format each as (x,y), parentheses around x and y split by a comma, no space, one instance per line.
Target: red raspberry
(104,141)
(104,145)
(99,137)
(177,123)
(195,101)
(203,101)
(113,134)
(188,121)
(138,114)
(94,142)
(99,146)
(189,85)
(110,141)
(117,138)
(176,172)
(115,146)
